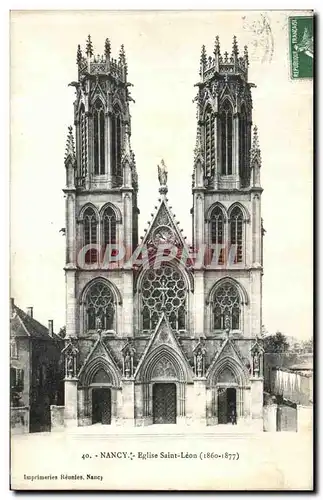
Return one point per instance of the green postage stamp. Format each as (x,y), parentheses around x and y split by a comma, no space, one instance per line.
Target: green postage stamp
(301,38)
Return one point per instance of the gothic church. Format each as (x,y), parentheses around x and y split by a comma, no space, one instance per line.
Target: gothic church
(177,343)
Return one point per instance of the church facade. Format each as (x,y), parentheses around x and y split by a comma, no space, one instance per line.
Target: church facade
(159,332)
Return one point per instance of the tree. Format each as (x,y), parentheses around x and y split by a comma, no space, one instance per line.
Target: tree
(276,343)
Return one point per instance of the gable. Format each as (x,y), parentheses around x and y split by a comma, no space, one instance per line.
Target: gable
(163,229)
(163,356)
(227,365)
(99,366)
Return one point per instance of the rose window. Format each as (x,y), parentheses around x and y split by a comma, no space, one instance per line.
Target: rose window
(163,289)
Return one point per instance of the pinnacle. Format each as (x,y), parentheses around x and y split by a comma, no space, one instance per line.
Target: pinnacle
(203,59)
(246,54)
(255,139)
(70,150)
(89,46)
(122,54)
(235,50)
(107,48)
(217,46)
(78,54)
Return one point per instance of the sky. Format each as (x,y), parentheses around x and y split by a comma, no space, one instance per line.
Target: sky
(163,52)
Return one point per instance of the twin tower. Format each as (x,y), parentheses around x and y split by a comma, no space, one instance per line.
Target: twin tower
(185,334)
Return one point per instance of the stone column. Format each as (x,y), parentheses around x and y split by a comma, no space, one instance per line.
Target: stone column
(128,402)
(70,412)
(246,394)
(235,151)
(256,230)
(199,218)
(70,275)
(108,139)
(199,414)
(257,398)
(70,227)
(90,146)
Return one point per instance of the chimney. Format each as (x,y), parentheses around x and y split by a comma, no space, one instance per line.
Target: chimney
(50,327)
(30,311)
(12,305)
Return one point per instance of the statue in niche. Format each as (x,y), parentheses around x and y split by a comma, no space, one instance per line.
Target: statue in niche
(199,364)
(256,363)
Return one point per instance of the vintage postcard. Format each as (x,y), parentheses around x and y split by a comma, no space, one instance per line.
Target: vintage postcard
(161,250)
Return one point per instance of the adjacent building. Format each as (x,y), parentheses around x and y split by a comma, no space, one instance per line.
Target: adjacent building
(36,371)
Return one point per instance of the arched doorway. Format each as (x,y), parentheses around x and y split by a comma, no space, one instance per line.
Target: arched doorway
(227,405)
(228,396)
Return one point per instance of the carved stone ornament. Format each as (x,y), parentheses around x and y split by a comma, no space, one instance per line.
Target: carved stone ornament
(128,353)
(70,353)
(164,369)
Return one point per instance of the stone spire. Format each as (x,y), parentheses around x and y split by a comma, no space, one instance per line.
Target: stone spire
(198,150)
(203,60)
(70,149)
(255,159)
(255,149)
(198,170)
(246,57)
(107,48)
(122,59)
(235,49)
(78,55)
(217,46)
(89,46)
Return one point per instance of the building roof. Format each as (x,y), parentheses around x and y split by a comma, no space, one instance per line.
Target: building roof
(302,366)
(24,325)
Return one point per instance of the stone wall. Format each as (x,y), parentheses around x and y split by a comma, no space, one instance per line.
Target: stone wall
(57,417)
(19,420)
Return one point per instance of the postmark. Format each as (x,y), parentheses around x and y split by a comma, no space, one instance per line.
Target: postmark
(262,42)
(301,40)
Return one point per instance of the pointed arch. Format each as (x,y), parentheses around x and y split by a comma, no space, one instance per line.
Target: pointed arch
(217,222)
(226,302)
(244,210)
(90,233)
(227,279)
(166,356)
(96,364)
(115,290)
(237,231)
(109,226)
(116,210)
(238,371)
(212,207)
(85,207)
(226,135)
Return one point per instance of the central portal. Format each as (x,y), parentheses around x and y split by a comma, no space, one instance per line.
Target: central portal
(101,406)
(164,404)
(227,406)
